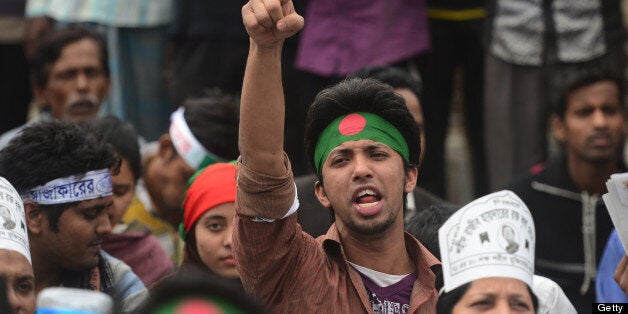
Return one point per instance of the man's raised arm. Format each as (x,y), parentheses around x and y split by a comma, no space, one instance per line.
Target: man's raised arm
(268,23)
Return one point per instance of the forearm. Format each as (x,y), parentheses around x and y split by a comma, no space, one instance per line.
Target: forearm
(268,23)
(262,111)
(276,259)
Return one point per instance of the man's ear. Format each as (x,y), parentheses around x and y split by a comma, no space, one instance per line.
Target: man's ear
(319,190)
(166,147)
(558,127)
(108,88)
(39,95)
(411,176)
(107,92)
(34,217)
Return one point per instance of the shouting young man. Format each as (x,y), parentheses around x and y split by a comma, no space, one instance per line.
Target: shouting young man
(364,145)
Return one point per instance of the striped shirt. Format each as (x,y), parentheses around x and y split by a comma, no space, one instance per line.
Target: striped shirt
(290,271)
(119,13)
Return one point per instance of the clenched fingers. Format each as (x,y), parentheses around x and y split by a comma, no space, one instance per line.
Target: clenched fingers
(621,274)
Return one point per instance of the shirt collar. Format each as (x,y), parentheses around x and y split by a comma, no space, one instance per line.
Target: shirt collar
(427,265)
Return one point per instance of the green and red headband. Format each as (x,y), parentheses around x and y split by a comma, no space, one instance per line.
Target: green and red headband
(209,187)
(194,304)
(358,126)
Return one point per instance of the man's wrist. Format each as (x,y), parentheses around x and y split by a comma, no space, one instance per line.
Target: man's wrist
(271,49)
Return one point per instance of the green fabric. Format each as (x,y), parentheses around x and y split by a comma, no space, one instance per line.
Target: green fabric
(209,159)
(376,129)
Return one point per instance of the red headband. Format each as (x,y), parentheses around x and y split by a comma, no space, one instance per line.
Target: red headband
(213,186)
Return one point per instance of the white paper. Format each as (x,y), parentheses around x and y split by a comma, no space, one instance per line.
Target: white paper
(616,201)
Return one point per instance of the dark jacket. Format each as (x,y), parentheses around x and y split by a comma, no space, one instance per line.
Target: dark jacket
(571,229)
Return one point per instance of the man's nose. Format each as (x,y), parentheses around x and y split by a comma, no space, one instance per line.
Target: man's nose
(82,82)
(600,119)
(361,167)
(104,224)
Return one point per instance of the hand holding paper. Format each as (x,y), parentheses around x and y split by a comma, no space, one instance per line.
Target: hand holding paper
(616,201)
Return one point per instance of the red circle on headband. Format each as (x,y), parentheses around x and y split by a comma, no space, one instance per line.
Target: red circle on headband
(352,124)
(196,306)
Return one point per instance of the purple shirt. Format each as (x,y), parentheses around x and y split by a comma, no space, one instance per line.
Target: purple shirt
(342,36)
(393,299)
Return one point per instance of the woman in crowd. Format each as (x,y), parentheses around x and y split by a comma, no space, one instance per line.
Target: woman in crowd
(488,294)
(482,271)
(208,213)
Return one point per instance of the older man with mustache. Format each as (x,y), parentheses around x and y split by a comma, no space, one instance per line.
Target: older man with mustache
(565,196)
(70,77)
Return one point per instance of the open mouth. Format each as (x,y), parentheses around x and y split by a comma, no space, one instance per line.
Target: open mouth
(367,198)
(367,201)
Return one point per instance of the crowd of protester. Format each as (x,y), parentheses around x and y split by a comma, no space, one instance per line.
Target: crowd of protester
(288,156)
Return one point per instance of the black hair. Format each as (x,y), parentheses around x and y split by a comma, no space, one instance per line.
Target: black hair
(424,225)
(190,284)
(50,150)
(191,259)
(213,119)
(124,139)
(571,81)
(366,95)
(447,301)
(49,50)
(393,76)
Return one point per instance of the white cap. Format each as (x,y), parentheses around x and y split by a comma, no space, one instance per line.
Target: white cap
(493,236)
(13,234)
(72,300)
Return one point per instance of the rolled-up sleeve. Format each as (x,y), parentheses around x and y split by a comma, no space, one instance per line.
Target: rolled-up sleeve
(261,195)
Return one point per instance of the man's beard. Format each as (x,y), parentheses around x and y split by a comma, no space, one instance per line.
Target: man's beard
(374,228)
(597,157)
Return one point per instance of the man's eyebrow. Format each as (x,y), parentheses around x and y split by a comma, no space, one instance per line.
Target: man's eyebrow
(375,146)
(370,147)
(340,151)
(26,277)
(98,207)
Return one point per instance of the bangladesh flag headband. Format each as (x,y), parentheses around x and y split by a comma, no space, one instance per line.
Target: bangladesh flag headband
(359,126)
(198,304)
